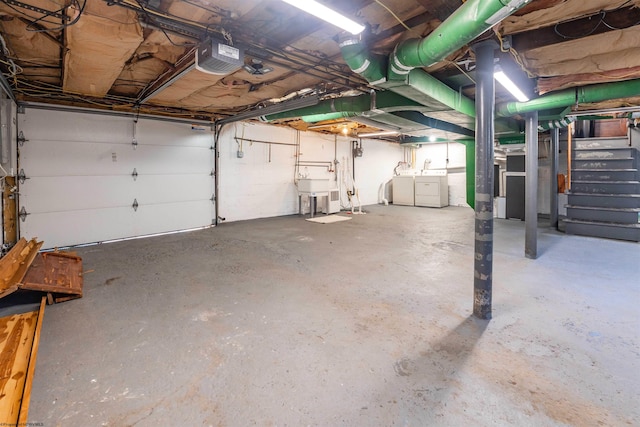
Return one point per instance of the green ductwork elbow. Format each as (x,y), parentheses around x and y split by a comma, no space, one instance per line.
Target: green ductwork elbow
(573,96)
(465,24)
(370,66)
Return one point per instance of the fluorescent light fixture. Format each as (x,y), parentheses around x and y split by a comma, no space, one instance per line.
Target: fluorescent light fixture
(372,134)
(321,11)
(509,85)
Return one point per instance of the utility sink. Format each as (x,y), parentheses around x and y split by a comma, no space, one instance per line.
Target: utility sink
(313,185)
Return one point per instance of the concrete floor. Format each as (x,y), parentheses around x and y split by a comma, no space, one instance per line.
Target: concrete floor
(283,322)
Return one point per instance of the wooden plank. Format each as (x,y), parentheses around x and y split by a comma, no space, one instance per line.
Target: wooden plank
(9,210)
(55,272)
(14,265)
(10,263)
(26,394)
(16,340)
(29,255)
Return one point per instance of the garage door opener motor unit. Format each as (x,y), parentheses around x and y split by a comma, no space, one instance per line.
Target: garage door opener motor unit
(219,58)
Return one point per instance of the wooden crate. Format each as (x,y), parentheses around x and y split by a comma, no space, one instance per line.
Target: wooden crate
(57,273)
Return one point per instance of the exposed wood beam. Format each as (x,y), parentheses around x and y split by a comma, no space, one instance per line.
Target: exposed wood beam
(598,23)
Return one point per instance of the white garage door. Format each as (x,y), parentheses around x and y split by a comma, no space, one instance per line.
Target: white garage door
(88,182)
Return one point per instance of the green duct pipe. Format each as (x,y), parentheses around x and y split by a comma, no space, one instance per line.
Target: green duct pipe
(465,24)
(470,171)
(419,86)
(350,104)
(328,116)
(424,85)
(573,96)
(417,117)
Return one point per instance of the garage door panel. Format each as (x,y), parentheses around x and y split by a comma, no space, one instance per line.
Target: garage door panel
(45,124)
(172,160)
(56,158)
(176,188)
(98,225)
(63,193)
(81,188)
(153,132)
(77,227)
(62,158)
(164,217)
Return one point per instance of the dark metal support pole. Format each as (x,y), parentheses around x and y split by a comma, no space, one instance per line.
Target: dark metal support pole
(485,111)
(531,186)
(553,175)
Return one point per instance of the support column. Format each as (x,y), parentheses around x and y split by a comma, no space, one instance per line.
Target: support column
(485,112)
(531,186)
(553,175)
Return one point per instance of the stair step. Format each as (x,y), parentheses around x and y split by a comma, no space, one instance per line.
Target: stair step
(602,142)
(602,148)
(629,232)
(603,214)
(626,163)
(605,174)
(604,200)
(606,187)
(603,153)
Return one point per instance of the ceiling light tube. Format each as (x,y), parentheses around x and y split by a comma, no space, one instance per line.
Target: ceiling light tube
(509,85)
(321,11)
(372,134)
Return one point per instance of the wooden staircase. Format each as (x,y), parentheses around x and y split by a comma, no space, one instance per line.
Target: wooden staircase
(604,200)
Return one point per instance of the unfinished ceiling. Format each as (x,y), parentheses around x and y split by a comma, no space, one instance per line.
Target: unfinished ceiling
(138,55)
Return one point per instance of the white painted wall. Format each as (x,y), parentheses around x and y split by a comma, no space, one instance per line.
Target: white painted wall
(254,187)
